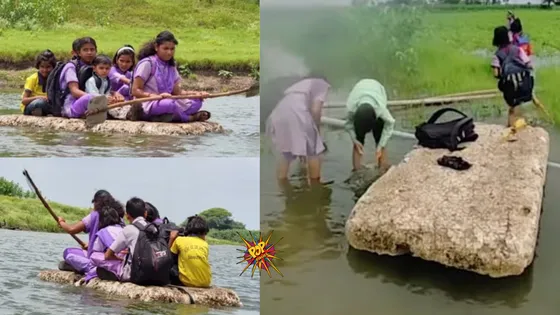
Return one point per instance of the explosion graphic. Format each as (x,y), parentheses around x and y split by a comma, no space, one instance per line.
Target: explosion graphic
(259,254)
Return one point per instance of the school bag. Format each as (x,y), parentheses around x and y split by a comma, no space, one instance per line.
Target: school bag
(446,135)
(165,229)
(86,72)
(151,261)
(55,94)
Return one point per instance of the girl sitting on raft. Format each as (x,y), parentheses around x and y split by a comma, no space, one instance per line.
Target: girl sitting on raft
(78,259)
(156,75)
(76,102)
(34,98)
(110,225)
(121,77)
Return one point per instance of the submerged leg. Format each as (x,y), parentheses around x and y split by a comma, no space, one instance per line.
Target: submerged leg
(284,165)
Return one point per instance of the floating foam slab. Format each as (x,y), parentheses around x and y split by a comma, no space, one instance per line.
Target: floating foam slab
(213,297)
(111,126)
(484,219)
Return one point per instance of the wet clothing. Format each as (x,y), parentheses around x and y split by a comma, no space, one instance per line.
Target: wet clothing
(370,92)
(291,126)
(194,268)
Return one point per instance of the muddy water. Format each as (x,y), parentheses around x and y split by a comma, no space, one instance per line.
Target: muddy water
(324,276)
(21,291)
(238,114)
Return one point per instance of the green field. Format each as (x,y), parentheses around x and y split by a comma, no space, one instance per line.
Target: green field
(30,215)
(415,52)
(212,34)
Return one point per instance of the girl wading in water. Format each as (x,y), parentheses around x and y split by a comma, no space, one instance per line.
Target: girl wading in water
(156,74)
(294,123)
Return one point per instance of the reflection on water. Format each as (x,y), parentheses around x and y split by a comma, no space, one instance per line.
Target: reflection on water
(21,291)
(239,116)
(323,275)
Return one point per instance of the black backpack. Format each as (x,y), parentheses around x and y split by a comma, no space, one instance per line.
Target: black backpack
(152,261)
(86,72)
(165,229)
(55,94)
(446,135)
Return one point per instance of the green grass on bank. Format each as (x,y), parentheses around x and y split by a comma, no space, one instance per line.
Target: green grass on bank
(414,52)
(30,215)
(212,34)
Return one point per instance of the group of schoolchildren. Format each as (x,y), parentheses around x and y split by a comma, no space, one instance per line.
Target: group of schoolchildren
(148,251)
(65,89)
(294,123)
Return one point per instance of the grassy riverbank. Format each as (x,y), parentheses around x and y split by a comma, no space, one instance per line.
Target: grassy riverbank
(30,215)
(213,34)
(415,52)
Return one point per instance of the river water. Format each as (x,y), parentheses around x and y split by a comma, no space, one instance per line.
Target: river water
(24,254)
(238,114)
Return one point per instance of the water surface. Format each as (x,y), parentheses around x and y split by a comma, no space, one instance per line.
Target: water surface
(323,275)
(238,114)
(21,291)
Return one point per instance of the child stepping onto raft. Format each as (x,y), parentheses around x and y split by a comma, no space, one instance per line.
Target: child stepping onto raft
(78,259)
(367,111)
(76,102)
(192,249)
(34,98)
(121,77)
(512,67)
(294,123)
(156,74)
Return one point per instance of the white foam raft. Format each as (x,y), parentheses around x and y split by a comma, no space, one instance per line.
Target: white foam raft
(213,297)
(485,219)
(111,126)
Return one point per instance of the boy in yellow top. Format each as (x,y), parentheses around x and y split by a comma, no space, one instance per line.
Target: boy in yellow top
(194,268)
(367,111)
(34,98)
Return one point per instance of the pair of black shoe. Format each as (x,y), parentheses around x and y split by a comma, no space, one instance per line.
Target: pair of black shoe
(454,162)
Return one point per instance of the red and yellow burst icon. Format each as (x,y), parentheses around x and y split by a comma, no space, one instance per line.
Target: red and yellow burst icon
(259,254)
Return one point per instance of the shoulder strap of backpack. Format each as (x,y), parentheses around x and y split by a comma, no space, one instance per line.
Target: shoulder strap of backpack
(435,116)
(139,226)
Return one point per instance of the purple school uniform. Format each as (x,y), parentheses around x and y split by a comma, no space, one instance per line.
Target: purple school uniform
(161,78)
(77,257)
(73,108)
(291,126)
(105,237)
(117,85)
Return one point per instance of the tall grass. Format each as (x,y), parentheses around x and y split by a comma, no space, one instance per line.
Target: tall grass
(217,34)
(414,52)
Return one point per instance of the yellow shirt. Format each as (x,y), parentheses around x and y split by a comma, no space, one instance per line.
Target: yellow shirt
(32,85)
(194,268)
